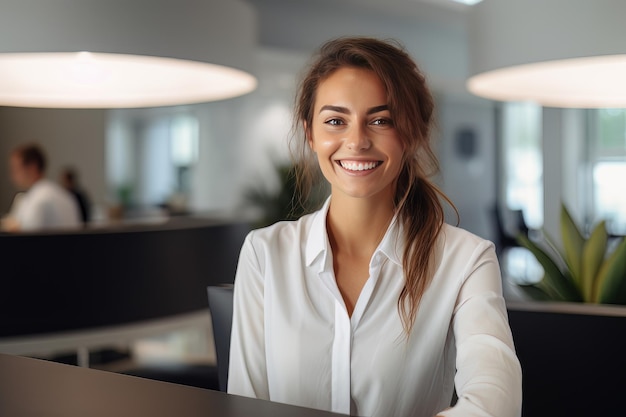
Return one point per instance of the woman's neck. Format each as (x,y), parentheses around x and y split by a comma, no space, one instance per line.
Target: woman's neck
(356,226)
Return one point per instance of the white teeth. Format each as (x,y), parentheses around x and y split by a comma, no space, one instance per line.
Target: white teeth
(358,166)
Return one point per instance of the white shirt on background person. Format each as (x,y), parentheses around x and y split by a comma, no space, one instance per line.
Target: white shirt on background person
(293,341)
(46,205)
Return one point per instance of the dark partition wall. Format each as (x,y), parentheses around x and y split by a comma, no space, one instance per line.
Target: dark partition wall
(572,364)
(71,281)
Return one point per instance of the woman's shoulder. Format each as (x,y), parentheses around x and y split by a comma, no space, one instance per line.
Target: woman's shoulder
(286,231)
(462,250)
(457,237)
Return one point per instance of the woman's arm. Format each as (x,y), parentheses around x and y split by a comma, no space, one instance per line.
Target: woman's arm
(488,378)
(247,374)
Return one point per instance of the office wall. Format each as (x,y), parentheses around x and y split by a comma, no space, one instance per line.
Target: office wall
(242,139)
(70,137)
(467,153)
(438,44)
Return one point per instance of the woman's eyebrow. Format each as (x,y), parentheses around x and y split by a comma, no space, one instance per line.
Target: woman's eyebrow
(378,109)
(345,110)
(338,109)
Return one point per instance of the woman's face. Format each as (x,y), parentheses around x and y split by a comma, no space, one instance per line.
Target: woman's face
(353,135)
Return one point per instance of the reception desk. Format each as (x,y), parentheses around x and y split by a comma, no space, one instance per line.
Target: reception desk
(33,387)
(69,287)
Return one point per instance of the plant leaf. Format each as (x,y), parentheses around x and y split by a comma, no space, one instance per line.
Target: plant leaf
(555,254)
(594,251)
(535,292)
(573,242)
(556,283)
(611,280)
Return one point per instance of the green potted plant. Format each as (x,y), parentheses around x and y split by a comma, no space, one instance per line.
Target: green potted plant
(588,268)
(283,202)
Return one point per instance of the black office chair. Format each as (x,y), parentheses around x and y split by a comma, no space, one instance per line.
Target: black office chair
(504,239)
(221,307)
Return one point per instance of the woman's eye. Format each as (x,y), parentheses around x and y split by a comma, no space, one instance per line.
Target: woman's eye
(334,122)
(382,122)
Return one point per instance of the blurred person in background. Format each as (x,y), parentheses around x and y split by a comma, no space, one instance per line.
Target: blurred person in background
(42,204)
(69,181)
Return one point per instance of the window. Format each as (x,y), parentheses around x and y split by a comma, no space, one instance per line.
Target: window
(150,158)
(522,185)
(522,161)
(608,161)
(184,140)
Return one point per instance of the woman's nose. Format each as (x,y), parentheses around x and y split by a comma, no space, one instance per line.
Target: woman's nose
(357,139)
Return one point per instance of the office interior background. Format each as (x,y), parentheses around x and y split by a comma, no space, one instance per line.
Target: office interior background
(491,153)
(506,156)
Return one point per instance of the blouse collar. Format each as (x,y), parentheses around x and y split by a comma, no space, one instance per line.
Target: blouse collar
(317,243)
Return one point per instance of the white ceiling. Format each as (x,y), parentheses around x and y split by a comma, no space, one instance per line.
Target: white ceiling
(444,10)
(434,32)
(437,11)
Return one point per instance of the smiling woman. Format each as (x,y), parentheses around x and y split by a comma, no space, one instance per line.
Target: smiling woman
(356,144)
(372,305)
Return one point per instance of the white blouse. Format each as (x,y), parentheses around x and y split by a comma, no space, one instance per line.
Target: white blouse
(293,341)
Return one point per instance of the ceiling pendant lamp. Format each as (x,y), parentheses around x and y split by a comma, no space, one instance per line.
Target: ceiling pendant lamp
(124,54)
(557,53)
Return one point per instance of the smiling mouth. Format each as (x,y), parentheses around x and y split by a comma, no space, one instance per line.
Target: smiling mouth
(359,166)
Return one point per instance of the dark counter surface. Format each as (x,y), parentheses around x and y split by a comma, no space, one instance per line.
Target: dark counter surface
(68,281)
(34,387)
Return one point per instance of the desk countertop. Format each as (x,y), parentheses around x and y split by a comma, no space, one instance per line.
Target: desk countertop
(35,387)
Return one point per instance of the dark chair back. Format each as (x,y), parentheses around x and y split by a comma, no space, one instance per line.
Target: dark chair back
(221,307)
(504,238)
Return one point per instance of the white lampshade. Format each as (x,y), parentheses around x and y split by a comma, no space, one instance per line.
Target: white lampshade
(118,54)
(558,53)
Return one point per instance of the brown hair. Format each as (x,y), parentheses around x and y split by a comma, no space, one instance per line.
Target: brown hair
(31,154)
(411,105)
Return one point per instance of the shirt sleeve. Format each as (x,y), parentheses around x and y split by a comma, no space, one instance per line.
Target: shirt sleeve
(247,374)
(488,379)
